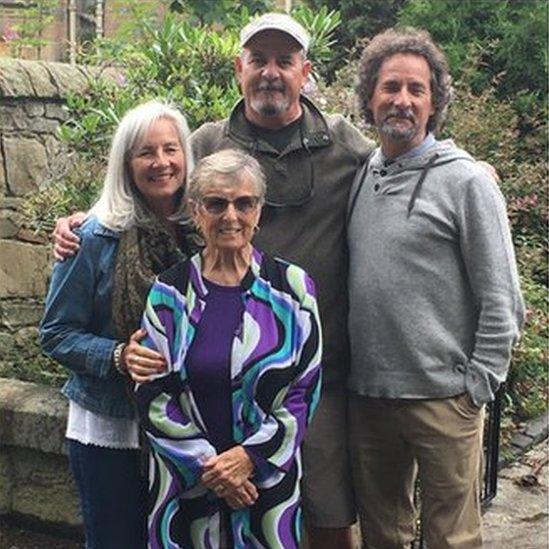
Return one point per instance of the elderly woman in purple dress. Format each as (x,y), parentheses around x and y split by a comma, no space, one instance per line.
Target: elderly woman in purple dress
(240,333)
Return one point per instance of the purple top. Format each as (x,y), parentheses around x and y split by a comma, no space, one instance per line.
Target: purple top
(209,361)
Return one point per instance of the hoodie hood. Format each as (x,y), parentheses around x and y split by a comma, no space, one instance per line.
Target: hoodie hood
(442,152)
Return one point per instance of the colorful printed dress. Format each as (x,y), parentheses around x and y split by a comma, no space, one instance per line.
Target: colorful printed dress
(275,386)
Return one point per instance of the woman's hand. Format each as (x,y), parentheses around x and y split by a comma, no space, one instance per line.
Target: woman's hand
(245,496)
(65,242)
(141,362)
(228,471)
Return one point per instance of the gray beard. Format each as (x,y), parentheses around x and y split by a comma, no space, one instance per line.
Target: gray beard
(396,134)
(269,109)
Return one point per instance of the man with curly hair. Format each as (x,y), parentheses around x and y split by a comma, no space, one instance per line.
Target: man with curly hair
(435,305)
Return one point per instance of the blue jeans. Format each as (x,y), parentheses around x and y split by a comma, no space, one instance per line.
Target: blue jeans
(113,495)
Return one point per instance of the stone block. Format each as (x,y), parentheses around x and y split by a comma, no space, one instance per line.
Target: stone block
(3,186)
(13,117)
(7,343)
(539,428)
(522,441)
(41,79)
(43,125)
(34,108)
(57,154)
(14,80)
(24,269)
(26,164)
(42,487)
(35,482)
(15,313)
(56,111)
(26,334)
(9,224)
(11,202)
(68,78)
(32,416)
(5,483)
(32,236)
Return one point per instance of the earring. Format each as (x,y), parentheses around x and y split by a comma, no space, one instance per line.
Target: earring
(256,229)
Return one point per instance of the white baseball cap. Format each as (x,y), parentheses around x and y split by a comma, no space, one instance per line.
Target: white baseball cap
(275,21)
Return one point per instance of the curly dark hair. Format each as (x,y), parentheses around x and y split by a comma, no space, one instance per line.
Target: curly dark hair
(405,40)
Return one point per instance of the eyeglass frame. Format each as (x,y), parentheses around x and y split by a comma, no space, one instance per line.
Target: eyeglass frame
(255,201)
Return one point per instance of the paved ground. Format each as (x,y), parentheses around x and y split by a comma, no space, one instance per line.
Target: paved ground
(519,516)
(517,519)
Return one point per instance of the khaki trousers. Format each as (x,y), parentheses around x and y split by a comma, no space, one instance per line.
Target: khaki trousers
(392,441)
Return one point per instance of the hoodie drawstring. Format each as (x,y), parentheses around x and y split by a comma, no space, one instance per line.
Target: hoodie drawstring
(419,183)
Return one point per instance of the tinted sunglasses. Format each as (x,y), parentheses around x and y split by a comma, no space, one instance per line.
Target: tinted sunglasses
(217,204)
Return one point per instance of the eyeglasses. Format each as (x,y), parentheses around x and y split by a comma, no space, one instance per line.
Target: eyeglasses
(217,205)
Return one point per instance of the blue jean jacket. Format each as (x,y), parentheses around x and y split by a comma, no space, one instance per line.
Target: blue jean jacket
(77,328)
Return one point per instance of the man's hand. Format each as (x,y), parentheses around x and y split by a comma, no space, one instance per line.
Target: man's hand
(141,362)
(65,242)
(244,496)
(228,471)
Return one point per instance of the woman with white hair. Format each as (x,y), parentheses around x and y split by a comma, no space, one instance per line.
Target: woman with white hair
(241,337)
(96,298)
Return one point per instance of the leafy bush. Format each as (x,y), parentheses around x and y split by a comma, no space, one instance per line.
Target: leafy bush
(362,19)
(173,58)
(176,59)
(511,38)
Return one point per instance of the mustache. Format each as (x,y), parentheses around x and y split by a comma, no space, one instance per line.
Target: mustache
(267,85)
(406,114)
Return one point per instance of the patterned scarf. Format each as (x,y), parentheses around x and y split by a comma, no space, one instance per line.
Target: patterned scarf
(144,251)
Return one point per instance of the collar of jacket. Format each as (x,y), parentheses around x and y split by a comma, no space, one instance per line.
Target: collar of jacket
(100,230)
(315,132)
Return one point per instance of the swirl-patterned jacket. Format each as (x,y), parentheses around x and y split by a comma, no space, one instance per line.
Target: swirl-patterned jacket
(275,385)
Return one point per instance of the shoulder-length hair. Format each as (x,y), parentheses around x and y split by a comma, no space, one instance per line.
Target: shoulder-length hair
(119,206)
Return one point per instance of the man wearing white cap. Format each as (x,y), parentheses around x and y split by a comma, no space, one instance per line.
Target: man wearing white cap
(310,160)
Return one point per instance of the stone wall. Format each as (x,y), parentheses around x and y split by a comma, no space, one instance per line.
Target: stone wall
(31,109)
(35,483)
(34,478)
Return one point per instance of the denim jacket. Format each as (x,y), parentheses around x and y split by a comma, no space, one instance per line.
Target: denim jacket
(77,328)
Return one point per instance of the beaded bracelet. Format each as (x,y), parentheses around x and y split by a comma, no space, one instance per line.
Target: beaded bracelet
(117,359)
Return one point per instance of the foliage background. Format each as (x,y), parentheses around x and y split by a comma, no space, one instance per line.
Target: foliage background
(498,55)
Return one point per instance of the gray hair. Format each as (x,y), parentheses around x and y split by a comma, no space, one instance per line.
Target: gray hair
(405,40)
(118,206)
(226,167)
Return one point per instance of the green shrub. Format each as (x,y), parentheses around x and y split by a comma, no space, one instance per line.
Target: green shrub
(362,19)
(510,38)
(174,58)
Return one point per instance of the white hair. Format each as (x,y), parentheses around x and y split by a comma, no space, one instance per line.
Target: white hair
(118,207)
(226,167)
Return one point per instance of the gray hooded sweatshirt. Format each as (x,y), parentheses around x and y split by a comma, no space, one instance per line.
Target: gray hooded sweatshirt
(435,303)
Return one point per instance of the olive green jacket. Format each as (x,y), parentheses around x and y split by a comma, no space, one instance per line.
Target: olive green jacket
(303,220)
